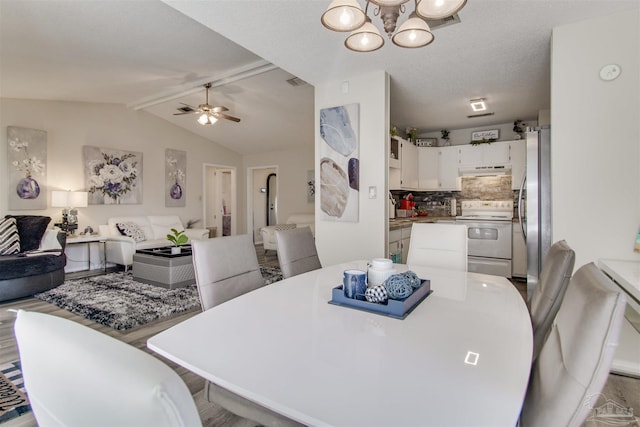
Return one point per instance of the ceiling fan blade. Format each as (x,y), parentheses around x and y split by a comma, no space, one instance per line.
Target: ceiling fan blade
(190,106)
(218,109)
(186,112)
(226,116)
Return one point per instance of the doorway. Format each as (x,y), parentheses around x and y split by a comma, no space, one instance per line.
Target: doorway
(220,201)
(262,199)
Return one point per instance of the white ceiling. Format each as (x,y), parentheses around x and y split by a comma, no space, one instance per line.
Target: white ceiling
(130,52)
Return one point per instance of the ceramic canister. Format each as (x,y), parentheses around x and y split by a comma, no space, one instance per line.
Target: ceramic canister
(380,269)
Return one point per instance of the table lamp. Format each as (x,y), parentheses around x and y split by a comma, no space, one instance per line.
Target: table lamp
(69,200)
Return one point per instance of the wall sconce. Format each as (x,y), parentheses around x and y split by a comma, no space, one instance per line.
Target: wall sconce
(69,200)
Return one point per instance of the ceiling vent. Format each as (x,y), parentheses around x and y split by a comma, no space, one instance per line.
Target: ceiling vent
(444,22)
(297,81)
(186,109)
(480,115)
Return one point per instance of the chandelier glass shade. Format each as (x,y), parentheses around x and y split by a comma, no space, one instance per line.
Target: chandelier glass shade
(347,15)
(207,119)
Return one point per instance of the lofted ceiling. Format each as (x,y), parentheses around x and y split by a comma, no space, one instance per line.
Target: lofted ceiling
(150,55)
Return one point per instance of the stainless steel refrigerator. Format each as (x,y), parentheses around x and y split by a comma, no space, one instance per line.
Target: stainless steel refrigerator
(534,203)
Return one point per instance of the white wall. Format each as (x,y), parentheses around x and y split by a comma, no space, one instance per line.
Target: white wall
(344,241)
(70,125)
(595,137)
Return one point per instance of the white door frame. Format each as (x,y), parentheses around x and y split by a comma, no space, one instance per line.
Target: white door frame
(250,184)
(234,195)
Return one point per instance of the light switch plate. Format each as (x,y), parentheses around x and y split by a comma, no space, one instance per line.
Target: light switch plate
(373,192)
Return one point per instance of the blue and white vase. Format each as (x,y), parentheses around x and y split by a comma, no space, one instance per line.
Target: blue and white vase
(28,188)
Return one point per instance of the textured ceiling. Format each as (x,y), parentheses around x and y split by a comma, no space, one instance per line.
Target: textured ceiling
(128,52)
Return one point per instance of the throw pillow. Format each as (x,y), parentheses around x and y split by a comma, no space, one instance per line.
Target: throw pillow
(31,228)
(9,238)
(132,230)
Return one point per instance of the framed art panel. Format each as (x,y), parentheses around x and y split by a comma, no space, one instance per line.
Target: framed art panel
(339,163)
(175,178)
(26,166)
(113,176)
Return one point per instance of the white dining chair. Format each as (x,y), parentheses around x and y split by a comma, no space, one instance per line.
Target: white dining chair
(76,376)
(549,293)
(438,245)
(297,252)
(225,267)
(576,357)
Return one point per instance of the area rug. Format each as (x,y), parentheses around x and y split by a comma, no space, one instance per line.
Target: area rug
(13,399)
(118,301)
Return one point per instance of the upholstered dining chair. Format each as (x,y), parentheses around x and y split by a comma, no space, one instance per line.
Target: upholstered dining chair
(76,376)
(440,245)
(548,294)
(297,252)
(225,267)
(574,362)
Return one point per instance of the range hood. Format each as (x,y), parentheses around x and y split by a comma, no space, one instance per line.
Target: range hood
(485,170)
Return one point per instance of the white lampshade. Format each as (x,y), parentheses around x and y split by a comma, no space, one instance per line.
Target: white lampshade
(413,33)
(69,199)
(389,2)
(343,15)
(365,39)
(438,9)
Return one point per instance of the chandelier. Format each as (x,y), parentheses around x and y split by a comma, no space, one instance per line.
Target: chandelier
(347,15)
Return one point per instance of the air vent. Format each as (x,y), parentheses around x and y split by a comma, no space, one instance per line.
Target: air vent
(186,109)
(480,115)
(444,22)
(297,81)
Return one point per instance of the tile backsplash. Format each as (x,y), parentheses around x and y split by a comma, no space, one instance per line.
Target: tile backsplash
(486,187)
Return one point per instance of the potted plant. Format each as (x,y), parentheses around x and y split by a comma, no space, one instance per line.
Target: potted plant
(518,128)
(177,238)
(412,133)
(445,136)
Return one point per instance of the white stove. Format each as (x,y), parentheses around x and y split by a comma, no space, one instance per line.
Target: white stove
(488,210)
(489,229)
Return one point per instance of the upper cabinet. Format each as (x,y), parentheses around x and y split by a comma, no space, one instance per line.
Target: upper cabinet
(409,165)
(449,176)
(496,153)
(394,152)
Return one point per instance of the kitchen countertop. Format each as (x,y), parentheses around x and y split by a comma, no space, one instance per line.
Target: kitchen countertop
(403,222)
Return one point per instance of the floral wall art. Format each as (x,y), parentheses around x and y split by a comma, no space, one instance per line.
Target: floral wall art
(175,182)
(113,176)
(339,163)
(27,160)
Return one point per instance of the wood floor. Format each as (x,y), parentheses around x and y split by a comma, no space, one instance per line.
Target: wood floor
(624,391)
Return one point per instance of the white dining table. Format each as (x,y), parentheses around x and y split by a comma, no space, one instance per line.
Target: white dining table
(461,358)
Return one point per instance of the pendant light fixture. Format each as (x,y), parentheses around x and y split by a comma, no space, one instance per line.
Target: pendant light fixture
(347,15)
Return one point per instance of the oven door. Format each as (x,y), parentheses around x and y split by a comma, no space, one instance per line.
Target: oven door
(488,239)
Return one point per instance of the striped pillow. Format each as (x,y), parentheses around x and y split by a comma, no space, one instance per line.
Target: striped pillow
(9,237)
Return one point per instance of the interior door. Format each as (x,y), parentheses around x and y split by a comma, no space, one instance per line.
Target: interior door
(220,199)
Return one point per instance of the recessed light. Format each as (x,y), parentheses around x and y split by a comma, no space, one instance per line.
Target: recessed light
(478,104)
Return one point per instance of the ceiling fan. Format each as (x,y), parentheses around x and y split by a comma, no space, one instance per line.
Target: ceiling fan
(208,113)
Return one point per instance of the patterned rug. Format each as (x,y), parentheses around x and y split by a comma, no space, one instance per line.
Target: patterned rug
(118,301)
(13,399)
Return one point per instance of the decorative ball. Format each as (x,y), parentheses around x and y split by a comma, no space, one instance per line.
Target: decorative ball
(413,279)
(377,294)
(398,286)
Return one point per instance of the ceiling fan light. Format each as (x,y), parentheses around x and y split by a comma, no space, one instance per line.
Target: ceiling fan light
(343,16)
(365,39)
(438,9)
(203,119)
(413,33)
(388,2)
(212,119)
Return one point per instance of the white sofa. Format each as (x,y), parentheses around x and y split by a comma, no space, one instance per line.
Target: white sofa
(120,249)
(294,221)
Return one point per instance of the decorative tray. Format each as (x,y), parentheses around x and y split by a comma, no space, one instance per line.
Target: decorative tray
(398,309)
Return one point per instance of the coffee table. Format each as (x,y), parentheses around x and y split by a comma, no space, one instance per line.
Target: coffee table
(160,267)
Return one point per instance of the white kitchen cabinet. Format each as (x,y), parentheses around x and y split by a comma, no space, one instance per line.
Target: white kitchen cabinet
(496,153)
(448,172)
(518,160)
(409,165)
(428,169)
(518,252)
(394,152)
(399,240)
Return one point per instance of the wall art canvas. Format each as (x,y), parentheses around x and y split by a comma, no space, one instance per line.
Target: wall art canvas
(27,168)
(339,163)
(113,176)
(175,178)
